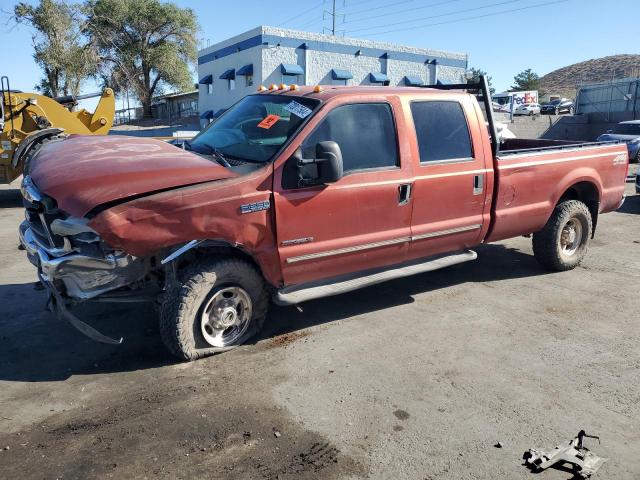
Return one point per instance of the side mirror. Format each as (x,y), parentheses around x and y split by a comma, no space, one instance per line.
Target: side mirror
(325,168)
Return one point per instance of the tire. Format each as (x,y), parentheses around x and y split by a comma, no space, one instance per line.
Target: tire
(563,242)
(531,113)
(557,111)
(571,110)
(217,284)
(28,158)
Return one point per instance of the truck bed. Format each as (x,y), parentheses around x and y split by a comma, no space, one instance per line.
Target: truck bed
(532,175)
(514,146)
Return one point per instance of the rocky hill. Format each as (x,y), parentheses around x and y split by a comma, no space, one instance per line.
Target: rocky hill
(564,80)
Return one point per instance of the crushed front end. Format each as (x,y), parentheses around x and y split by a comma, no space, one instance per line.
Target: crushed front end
(73,262)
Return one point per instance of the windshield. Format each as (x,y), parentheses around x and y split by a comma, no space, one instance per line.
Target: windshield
(255,128)
(627,129)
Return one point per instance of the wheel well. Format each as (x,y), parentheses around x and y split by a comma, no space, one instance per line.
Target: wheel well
(587,193)
(211,248)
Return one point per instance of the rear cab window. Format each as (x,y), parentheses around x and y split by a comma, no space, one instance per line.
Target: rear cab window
(365,132)
(442,131)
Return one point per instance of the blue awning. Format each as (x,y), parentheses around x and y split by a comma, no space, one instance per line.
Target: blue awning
(444,82)
(229,74)
(208,115)
(206,80)
(291,69)
(413,81)
(219,112)
(341,74)
(377,77)
(246,70)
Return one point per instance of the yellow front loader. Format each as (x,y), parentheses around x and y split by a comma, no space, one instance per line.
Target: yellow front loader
(29,119)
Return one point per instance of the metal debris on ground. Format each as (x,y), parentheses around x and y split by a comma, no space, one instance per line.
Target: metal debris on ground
(585,463)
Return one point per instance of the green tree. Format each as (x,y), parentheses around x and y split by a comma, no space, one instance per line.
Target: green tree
(144,45)
(476,78)
(527,80)
(61,48)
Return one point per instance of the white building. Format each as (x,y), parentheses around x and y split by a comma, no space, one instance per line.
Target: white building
(231,69)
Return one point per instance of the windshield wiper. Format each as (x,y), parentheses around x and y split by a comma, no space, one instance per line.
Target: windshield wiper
(221,159)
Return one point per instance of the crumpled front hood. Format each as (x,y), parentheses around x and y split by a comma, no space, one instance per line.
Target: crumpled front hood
(82,172)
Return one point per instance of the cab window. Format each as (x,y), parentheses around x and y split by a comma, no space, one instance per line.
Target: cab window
(442,131)
(365,133)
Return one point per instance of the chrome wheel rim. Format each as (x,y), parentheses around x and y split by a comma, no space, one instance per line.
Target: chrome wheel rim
(571,237)
(226,317)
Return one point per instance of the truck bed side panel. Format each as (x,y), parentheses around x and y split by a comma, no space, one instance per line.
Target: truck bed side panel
(531,183)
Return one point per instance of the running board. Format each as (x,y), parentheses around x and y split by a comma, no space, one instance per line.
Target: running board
(302,293)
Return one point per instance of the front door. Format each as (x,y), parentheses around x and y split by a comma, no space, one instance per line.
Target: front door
(453,181)
(363,220)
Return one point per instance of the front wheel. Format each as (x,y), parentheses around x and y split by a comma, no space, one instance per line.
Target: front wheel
(220,304)
(563,242)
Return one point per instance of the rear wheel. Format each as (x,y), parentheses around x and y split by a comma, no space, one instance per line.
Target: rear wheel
(219,305)
(563,242)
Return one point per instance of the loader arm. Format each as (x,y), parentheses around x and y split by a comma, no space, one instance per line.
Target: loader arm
(25,115)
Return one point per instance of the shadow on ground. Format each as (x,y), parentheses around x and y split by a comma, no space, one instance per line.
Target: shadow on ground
(35,346)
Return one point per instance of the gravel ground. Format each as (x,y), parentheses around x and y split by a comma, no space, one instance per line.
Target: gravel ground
(417,378)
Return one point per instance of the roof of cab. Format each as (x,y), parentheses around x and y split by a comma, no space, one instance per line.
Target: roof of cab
(330,91)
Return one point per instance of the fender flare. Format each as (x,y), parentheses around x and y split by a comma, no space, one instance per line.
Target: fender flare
(192,244)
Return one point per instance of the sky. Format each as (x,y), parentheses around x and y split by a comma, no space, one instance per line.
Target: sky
(502,37)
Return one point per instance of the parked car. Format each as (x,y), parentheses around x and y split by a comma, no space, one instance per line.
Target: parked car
(530,109)
(628,132)
(301,193)
(556,107)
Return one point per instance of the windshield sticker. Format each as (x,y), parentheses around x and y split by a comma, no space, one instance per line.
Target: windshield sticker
(298,109)
(269,121)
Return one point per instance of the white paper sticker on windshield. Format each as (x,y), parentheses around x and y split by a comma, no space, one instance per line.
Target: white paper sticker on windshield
(298,109)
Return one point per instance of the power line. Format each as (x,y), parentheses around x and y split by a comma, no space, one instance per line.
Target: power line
(464,19)
(301,13)
(311,22)
(389,5)
(445,2)
(465,10)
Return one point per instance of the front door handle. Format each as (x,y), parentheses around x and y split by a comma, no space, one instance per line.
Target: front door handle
(478,184)
(404,193)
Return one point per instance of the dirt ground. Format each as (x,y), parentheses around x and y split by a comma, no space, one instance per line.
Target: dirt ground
(417,378)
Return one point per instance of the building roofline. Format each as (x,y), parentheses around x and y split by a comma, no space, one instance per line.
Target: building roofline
(273,36)
(173,95)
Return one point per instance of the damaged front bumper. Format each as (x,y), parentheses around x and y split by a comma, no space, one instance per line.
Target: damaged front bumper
(84,276)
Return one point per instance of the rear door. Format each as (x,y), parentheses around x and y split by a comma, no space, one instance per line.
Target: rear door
(363,220)
(453,179)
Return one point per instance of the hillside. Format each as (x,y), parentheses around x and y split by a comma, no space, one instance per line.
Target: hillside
(563,81)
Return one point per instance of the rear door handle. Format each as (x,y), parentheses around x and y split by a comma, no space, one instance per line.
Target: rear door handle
(404,193)
(478,184)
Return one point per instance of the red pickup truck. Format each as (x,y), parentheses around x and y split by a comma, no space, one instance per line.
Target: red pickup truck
(296,193)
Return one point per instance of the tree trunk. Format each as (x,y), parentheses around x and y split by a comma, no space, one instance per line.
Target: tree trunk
(146,106)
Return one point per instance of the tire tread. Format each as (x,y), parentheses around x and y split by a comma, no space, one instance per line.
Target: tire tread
(182,301)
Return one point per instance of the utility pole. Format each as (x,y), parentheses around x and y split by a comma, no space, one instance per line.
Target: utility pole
(334,14)
(333,18)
